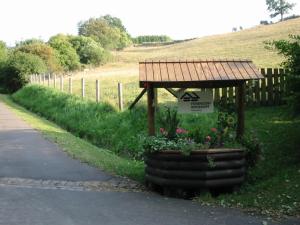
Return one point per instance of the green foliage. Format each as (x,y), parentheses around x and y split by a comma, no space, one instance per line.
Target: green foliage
(42,50)
(151,38)
(89,51)
(169,123)
(106,30)
(17,68)
(160,143)
(290,49)
(279,7)
(3,52)
(65,52)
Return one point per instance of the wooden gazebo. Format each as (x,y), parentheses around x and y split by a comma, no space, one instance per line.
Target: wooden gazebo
(196,74)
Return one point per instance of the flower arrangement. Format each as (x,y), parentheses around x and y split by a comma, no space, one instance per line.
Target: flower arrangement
(172,136)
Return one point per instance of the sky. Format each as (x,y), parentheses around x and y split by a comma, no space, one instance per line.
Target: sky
(179,19)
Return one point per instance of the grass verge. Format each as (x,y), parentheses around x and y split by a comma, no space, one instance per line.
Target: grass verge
(78,148)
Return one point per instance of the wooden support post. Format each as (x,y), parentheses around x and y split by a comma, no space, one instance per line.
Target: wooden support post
(240,110)
(156,98)
(97,91)
(70,85)
(54,81)
(120,96)
(151,110)
(82,88)
(61,83)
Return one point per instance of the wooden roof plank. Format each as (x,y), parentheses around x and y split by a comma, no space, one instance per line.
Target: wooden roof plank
(229,72)
(235,71)
(255,70)
(206,71)
(222,72)
(214,71)
(171,72)
(200,72)
(193,72)
(149,72)
(142,71)
(164,72)
(178,72)
(156,72)
(185,71)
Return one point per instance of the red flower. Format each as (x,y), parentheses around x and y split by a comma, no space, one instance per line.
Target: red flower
(162,130)
(214,129)
(181,131)
(208,138)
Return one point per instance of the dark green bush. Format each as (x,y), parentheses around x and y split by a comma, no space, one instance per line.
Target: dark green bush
(18,67)
(290,49)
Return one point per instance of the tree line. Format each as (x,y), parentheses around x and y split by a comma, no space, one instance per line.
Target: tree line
(151,38)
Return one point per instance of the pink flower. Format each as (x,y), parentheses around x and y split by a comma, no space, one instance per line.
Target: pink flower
(162,130)
(208,138)
(214,129)
(181,131)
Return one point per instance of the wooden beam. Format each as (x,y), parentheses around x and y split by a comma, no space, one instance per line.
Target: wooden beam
(240,110)
(137,98)
(151,110)
(172,92)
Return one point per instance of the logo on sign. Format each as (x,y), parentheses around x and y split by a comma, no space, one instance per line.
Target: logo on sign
(190,97)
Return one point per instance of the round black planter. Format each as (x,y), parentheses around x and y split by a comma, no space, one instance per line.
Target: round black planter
(213,168)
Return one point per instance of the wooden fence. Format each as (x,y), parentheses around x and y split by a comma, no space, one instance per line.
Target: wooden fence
(268,91)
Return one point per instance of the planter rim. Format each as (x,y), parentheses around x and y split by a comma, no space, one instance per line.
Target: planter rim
(201,151)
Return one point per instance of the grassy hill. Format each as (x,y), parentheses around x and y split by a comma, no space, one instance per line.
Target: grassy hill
(243,44)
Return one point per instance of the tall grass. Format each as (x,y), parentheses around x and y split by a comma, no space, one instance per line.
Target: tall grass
(101,124)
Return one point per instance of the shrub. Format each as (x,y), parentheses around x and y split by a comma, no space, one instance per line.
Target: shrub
(290,49)
(44,51)
(17,68)
(89,51)
(65,52)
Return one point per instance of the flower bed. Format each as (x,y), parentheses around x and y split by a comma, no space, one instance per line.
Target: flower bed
(191,160)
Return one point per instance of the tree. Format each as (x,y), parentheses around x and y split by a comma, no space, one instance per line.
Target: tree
(89,51)
(65,52)
(279,7)
(107,30)
(290,49)
(42,50)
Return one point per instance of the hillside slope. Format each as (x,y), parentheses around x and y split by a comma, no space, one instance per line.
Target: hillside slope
(248,43)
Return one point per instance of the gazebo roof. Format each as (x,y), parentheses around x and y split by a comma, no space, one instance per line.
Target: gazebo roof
(197,73)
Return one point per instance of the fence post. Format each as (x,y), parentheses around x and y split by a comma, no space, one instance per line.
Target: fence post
(61,83)
(44,79)
(54,81)
(263,88)
(97,91)
(270,86)
(120,95)
(276,87)
(49,78)
(70,85)
(282,84)
(82,88)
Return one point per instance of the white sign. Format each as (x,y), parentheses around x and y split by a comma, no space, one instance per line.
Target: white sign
(196,102)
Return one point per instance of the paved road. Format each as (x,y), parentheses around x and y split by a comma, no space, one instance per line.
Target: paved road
(40,184)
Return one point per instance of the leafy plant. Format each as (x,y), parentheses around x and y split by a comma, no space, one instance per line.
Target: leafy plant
(169,122)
